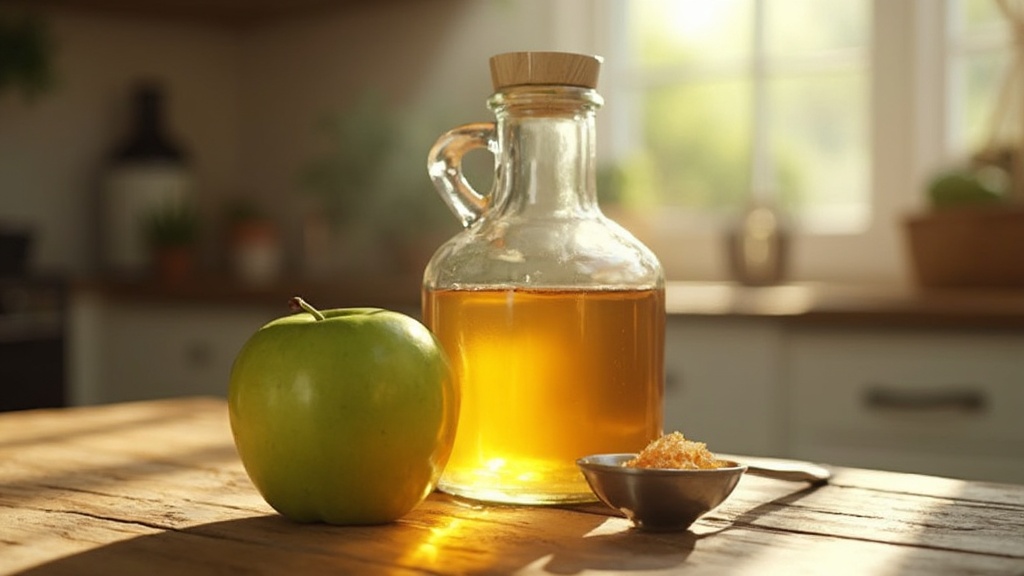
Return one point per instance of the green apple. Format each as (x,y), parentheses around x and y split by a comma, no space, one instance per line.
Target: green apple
(345,416)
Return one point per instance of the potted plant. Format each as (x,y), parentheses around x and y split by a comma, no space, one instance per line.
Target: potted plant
(172,233)
(344,189)
(970,233)
(253,242)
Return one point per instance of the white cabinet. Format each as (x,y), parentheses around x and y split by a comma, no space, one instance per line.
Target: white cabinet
(722,383)
(945,403)
(135,351)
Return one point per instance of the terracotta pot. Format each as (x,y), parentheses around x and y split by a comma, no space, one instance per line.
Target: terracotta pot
(968,247)
(174,264)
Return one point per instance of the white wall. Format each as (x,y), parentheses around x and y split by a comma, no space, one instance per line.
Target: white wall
(52,150)
(243,102)
(427,60)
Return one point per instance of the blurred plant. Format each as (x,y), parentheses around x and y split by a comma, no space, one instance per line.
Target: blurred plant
(410,208)
(370,182)
(969,186)
(26,54)
(173,226)
(358,144)
(610,183)
(627,183)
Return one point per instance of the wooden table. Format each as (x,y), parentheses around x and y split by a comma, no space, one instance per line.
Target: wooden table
(156,488)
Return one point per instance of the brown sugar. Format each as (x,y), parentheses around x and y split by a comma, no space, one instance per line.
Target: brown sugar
(675,451)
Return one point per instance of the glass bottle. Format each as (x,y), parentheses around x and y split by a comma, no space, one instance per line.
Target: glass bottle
(553,315)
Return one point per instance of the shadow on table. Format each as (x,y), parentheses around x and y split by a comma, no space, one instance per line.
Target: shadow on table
(638,550)
(472,540)
(249,546)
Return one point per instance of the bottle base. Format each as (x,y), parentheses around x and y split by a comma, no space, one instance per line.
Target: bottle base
(523,497)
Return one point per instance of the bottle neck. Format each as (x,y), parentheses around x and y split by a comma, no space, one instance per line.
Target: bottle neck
(148,140)
(546,151)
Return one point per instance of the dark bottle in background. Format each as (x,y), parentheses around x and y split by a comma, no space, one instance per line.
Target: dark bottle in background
(148,174)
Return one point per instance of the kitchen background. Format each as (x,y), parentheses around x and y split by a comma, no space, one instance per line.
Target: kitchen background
(843,361)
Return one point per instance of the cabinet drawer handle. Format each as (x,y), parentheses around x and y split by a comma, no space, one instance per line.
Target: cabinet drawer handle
(904,400)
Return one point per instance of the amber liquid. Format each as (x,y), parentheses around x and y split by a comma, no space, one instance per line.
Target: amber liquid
(546,377)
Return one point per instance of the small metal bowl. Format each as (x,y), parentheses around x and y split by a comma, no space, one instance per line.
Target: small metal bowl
(658,499)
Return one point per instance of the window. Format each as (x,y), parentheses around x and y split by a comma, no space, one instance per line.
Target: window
(980,47)
(859,102)
(738,97)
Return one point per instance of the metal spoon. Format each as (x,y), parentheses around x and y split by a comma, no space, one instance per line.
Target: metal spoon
(789,470)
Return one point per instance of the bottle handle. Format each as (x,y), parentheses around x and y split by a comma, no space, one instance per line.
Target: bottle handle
(444,164)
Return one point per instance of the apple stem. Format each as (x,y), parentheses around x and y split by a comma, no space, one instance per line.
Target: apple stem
(297,304)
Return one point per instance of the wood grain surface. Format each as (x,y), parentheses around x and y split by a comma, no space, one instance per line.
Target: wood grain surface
(156,488)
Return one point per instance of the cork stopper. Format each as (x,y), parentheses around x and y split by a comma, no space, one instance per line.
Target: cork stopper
(561,68)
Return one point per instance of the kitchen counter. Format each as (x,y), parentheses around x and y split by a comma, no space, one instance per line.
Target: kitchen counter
(855,305)
(803,302)
(222,290)
(156,488)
